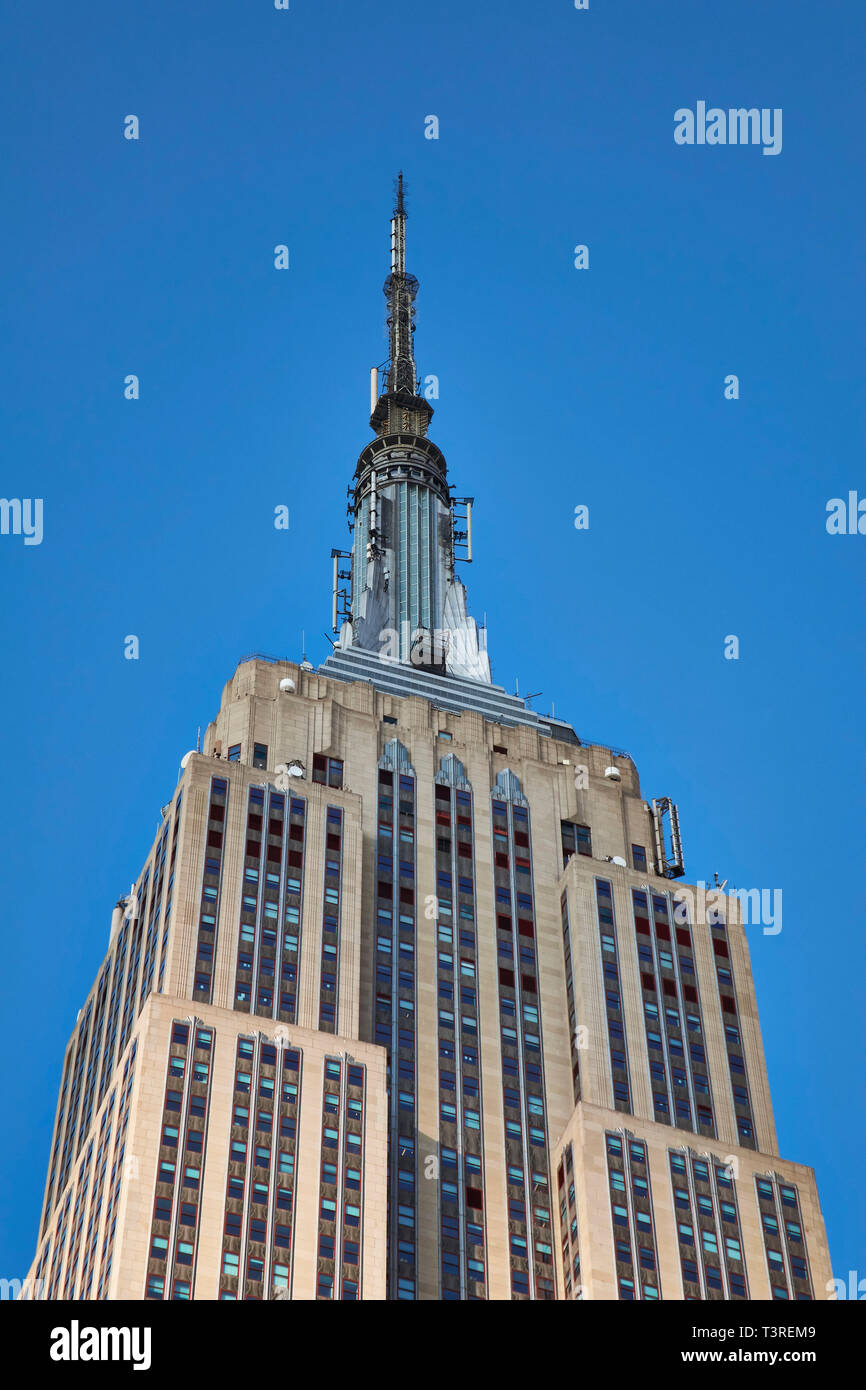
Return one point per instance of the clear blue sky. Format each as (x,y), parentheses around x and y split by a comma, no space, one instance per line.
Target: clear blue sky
(558,387)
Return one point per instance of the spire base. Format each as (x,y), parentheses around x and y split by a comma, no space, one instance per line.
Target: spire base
(401,412)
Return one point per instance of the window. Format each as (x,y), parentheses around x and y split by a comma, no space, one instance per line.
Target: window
(260,755)
(234,754)
(328,772)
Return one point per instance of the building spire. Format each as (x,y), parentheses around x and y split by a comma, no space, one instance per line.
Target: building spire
(399,406)
(398,230)
(404,598)
(400,292)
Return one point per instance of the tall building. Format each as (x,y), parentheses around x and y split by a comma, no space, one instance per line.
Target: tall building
(409,999)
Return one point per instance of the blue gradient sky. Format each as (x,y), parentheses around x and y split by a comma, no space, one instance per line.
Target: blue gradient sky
(558,387)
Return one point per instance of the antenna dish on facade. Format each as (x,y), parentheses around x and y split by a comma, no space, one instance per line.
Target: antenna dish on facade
(284,771)
(617,859)
(287,684)
(186,757)
(613,774)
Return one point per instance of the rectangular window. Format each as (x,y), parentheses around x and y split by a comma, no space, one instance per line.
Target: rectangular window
(327,771)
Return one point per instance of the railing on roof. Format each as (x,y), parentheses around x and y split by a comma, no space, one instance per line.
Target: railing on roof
(600,743)
(262,656)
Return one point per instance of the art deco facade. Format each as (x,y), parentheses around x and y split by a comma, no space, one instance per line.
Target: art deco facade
(406,1002)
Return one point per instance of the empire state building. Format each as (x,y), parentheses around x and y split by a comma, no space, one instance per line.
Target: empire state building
(410,998)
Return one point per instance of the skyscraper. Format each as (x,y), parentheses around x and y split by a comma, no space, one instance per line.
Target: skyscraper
(410,999)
